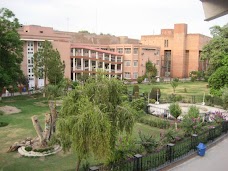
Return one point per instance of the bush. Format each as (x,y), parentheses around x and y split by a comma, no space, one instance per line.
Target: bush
(2,124)
(140,79)
(152,101)
(175,110)
(153,93)
(150,143)
(176,79)
(138,104)
(174,98)
(155,122)
(193,112)
(29,148)
(135,89)
(1,112)
(41,150)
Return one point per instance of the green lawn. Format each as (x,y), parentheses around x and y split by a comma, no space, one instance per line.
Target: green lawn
(193,88)
(20,126)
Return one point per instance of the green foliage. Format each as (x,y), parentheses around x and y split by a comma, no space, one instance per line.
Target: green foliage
(41,150)
(1,112)
(174,84)
(29,148)
(140,79)
(2,124)
(192,123)
(48,65)
(175,110)
(155,122)
(153,93)
(125,148)
(136,90)
(193,112)
(93,115)
(138,104)
(225,98)
(176,79)
(150,143)
(217,55)
(216,50)
(11,48)
(151,70)
(218,80)
(84,31)
(174,98)
(170,136)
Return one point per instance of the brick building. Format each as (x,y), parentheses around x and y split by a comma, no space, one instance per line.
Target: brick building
(180,51)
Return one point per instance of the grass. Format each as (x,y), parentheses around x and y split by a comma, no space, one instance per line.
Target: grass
(193,88)
(20,126)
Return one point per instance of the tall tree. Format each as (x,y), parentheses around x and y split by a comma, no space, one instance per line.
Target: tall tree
(10,49)
(48,64)
(151,70)
(92,116)
(216,52)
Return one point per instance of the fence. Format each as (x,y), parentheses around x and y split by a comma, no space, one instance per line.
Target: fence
(168,154)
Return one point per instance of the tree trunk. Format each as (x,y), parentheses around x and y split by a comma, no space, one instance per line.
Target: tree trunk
(52,106)
(176,125)
(48,126)
(39,130)
(78,164)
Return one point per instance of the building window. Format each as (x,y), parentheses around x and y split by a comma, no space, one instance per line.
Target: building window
(127,75)
(127,50)
(136,50)
(112,50)
(29,61)
(127,63)
(135,63)
(120,50)
(135,75)
(166,43)
(29,70)
(41,31)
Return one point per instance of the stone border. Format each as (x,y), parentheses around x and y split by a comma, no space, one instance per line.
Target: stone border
(23,152)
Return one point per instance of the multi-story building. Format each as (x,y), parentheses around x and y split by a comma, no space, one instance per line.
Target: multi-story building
(118,60)
(88,61)
(135,58)
(180,51)
(32,36)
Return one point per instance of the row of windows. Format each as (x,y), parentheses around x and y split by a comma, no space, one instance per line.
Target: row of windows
(128,75)
(30,44)
(128,63)
(30,52)
(126,50)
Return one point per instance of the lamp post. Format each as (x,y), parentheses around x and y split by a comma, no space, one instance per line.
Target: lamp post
(157,102)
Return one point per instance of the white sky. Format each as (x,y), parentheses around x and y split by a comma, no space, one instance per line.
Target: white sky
(131,18)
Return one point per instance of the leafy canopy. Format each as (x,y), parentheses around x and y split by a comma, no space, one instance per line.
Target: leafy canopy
(10,49)
(216,52)
(93,115)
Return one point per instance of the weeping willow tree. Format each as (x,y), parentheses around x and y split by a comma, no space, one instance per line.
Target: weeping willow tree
(92,117)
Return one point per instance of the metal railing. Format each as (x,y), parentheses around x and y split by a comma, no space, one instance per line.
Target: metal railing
(168,154)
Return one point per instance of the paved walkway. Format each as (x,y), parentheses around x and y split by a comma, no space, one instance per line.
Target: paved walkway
(215,159)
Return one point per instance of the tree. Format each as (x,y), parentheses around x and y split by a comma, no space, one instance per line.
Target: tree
(10,49)
(48,65)
(92,116)
(175,111)
(151,70)
(216,52)
(174,84)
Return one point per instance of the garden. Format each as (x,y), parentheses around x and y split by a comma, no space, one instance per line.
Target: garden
(150,133)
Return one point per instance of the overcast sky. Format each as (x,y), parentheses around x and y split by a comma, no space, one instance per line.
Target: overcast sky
(131,18)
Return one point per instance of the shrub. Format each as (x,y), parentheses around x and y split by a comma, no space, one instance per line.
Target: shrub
(193,112)
(153,93)
(1,112)
(41,150)
(29,148)
(175,110)
(170,136)
(138,104)
(174,98)
(152,101)
(148,142)
(155,122)
(176,79)
(135,89)
(2,124)
(140,79)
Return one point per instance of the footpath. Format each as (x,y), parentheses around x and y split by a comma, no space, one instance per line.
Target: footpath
(215,159)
